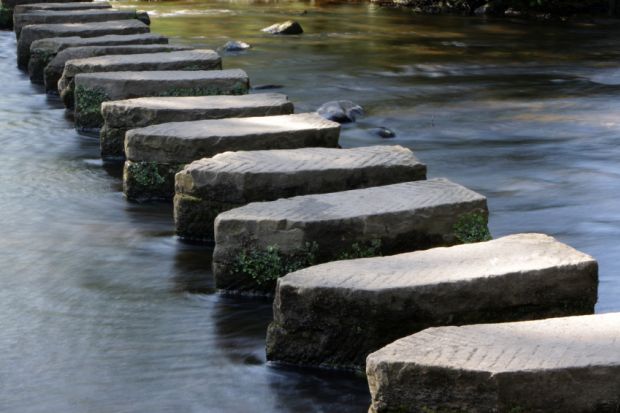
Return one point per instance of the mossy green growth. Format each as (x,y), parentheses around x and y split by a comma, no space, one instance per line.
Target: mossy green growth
(472,227)
(357,250)
(44,56)
(146,174)
(6,18)
(265,267)
(88,106)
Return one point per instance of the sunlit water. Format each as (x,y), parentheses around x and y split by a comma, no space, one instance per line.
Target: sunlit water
(103,310)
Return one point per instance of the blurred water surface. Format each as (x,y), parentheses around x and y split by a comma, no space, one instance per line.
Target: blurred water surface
(103,310)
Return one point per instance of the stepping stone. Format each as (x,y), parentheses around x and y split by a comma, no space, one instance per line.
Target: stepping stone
(92,89)
(41,31)
(43,51)
(563,365)
(311,229)
(156,153)
(121,115)
(12,4)
(335,314)
(53,71)
(229,180)
(202,59)
(68,16)
(25,8)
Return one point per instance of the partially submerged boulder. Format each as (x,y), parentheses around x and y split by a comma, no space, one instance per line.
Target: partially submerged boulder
(200,59)
(235,46)
(41,31)
(336,314)
(341,111)
(288,27)
(229,180)
(156,153)
(121,115)
(311,229)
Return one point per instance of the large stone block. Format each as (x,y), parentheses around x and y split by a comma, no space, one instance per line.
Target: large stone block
(336,314)
(43,51)
(53,71)
(201,59)
(229,180)
(156,153)
(121,115)
(35,32)
(12,4)
(92,89)
(557,365)
(68,16)
(259,242)
(82,5)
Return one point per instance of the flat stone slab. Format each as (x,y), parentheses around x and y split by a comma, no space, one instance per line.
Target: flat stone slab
(12,4)
(335,314)
(69,16)
(82,5)
(121,115)
(53,70)
(41,31)
(229,180)
(568,365)
(92,89)
(156,153)
(43,51)
(200,59)
(306,230)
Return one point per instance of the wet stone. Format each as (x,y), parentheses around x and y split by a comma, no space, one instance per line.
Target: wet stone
(288,27)
(121,115)
(53,71)
(82,5)
(232,179)
(92,89)
(43,51)
(35,32)
(68,16)
(335,314)
(306,230)
(202,59)
(568,365)
(12,4)
(170,146)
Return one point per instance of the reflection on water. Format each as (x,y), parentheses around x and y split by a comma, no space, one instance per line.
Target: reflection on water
(103,310)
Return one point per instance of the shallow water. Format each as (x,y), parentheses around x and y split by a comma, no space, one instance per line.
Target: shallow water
(103,310)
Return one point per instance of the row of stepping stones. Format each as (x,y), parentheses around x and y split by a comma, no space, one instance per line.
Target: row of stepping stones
(370,264)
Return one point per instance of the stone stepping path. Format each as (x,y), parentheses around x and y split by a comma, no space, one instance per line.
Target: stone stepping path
(54,69)
(92,89)
(200,59)
(209,186)
(43,51)
(569,364)
(156,153)
(41,31)
(68,16)
(25,8)
(121,115)
(311,229)
(336,314)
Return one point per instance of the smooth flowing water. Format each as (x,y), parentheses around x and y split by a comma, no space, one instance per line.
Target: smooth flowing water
(103,310)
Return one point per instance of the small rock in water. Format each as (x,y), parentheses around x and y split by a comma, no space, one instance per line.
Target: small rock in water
(341,111)
(384,133)
(144,17)
(267,87)
(288,27)
(235,46)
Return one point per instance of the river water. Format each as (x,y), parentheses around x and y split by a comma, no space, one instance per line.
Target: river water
(103,310)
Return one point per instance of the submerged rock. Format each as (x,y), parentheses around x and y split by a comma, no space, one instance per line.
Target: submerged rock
(235,46)
(288,27)
(383,132)
(341,111)
(144,17)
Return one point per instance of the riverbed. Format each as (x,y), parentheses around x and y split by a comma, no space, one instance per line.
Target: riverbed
(103,310)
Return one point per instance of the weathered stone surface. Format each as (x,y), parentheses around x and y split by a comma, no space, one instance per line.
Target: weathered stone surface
(170,146)
(12,4)
(336,314)
(41,31)
(68,16)
(92,89)
(44,50)
(209,186)
(201,59)
(380,220)
(121,115)
(558,365)
(288,27)
(53,71)
(82,5)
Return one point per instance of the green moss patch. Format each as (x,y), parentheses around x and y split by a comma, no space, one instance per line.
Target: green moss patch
(88,106)
(6,18)
(472,227)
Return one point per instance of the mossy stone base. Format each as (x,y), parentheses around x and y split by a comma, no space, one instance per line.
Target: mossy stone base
(112,141)
(194,217)
(88,107)
(6,18)
(149,181)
